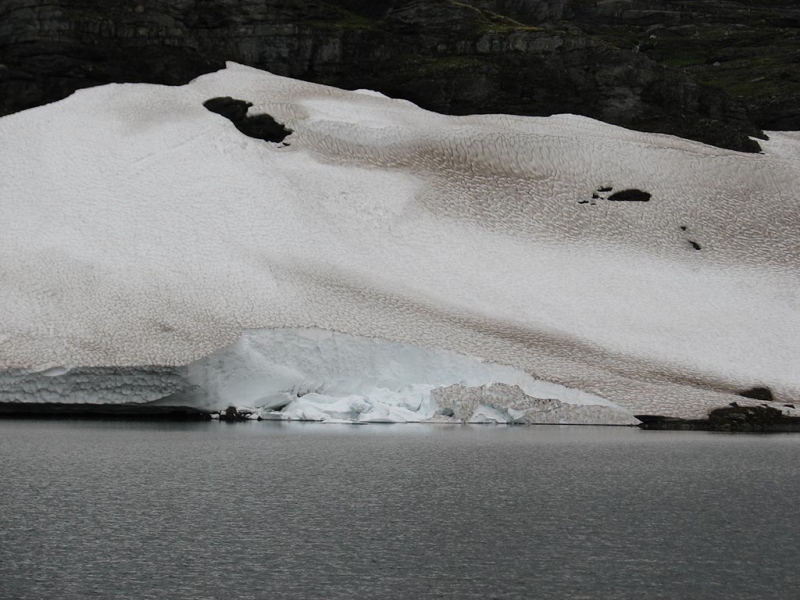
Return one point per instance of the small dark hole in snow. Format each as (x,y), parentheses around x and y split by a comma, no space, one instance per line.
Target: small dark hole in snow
(683,227)
(758,393)
(583,202)
(630,196)
(260,127)
(695,245)
(603,190)
(595,196)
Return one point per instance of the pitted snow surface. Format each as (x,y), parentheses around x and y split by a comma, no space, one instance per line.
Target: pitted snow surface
(141,229)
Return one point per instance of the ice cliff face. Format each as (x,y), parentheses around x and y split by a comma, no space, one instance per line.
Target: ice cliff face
(310,374)
(143,229)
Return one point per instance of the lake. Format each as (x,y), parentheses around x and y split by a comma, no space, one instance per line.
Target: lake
(301,511)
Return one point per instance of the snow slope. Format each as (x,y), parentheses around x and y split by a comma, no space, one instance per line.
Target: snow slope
(142,229)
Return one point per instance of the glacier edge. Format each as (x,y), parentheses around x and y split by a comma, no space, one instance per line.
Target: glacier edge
(321,375)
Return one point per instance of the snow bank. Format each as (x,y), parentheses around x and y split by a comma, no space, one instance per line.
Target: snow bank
(142,230)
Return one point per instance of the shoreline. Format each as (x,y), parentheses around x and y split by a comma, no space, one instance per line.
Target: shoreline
(744,419)
(129,412)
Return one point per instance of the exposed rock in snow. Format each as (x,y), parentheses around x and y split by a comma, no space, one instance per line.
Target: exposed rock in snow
(630,196)
(260,127)
(141,229)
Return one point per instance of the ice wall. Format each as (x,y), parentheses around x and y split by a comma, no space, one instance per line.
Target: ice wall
(310,374)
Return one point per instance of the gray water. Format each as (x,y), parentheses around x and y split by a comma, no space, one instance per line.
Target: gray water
(266,510)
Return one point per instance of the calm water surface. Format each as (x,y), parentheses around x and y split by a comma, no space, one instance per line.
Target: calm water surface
(265,510)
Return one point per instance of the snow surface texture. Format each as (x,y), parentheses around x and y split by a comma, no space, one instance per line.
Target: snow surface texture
(141,229)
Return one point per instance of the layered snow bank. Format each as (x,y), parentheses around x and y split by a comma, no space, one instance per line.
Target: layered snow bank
(309,374)
(141,229)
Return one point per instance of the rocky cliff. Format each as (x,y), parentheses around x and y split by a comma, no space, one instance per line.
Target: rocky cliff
(640,64)
(749,48)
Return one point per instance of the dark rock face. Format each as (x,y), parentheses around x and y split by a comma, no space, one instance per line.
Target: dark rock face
(526,11)
(530,57)
(750,48)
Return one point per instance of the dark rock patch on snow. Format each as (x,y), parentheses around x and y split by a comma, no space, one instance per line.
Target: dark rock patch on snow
(260,127)
(758,393)
(695,245)
(631,195)
(605,189)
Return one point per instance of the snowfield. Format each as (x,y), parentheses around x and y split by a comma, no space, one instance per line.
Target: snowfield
(385,261)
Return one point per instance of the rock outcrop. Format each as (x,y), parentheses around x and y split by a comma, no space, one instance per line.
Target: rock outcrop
(529,57)
(731,418)
(750,48)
